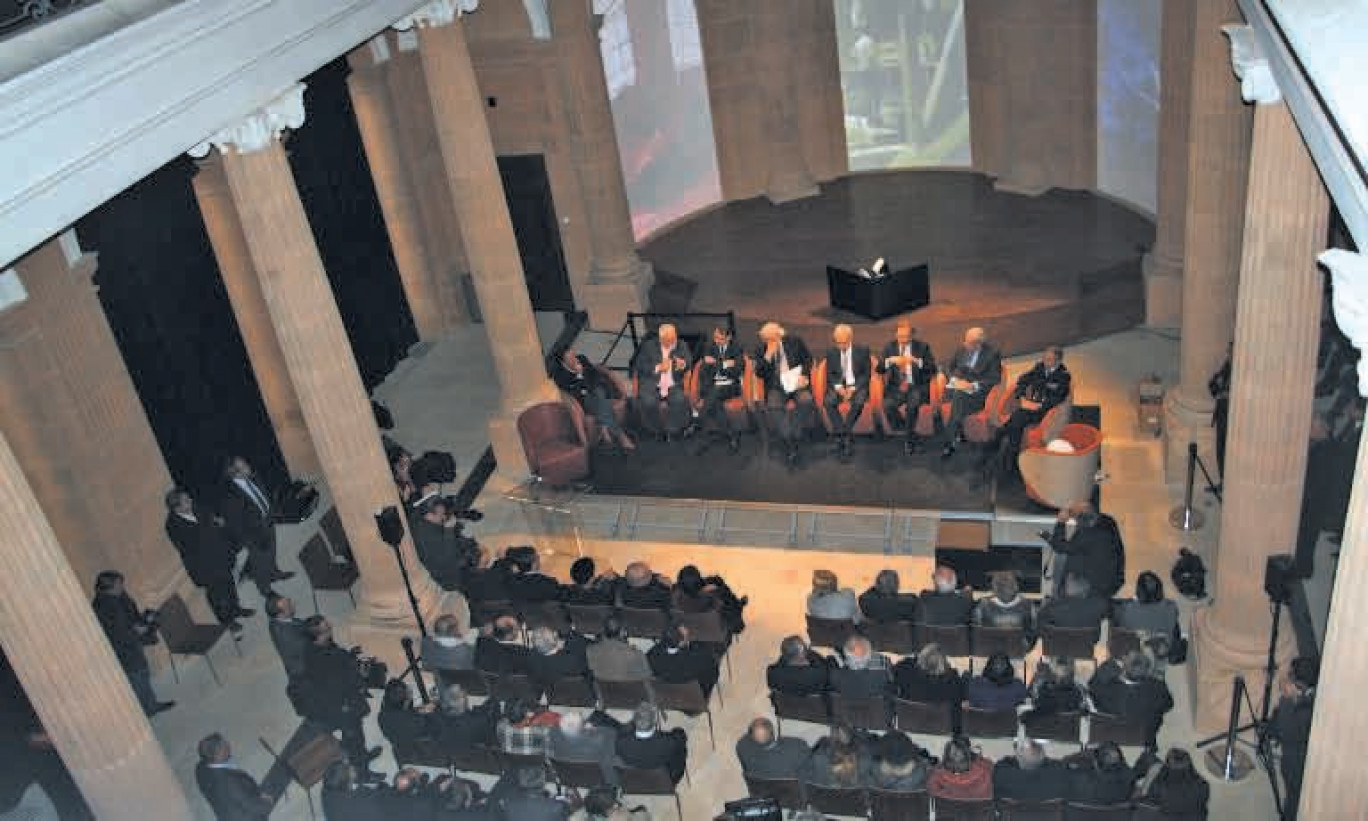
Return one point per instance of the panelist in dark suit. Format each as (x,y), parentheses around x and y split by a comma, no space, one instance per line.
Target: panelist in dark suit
(233,794)
(909,366)
(246,509)
(661,367)
(1038,391)
(573,373)
(720,378)
(847,380)
(207,554)
(791,412)
(973,371)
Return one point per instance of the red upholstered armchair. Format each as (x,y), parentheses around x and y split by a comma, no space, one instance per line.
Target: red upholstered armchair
(865,424)
(556,448)
(1059,478)
(980,427)
(737,408)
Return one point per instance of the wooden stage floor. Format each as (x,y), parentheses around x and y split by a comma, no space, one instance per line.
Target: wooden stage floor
(1055,269)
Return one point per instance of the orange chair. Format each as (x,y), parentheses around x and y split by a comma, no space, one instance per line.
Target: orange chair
(1057,479)
(737,408)
(926,414)
(866,423)
(646,420)
(1048,428)
(979,427)
(556,448)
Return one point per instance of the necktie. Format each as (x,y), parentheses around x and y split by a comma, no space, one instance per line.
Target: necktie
(845,367)
(667,375)
(973,358)
(907,369)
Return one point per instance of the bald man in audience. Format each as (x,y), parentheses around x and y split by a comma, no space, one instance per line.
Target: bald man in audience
(972,373)
(908,367)
(784,365)
(660,368)
(946,604)
(847,380)
(764,754)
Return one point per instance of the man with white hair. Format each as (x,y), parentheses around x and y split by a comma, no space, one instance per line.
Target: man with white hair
(660,368)
(973,371)
(864,673)
(783,364)
(945,604)
(642,745)
(1030,775)
(847,380)
(579,739)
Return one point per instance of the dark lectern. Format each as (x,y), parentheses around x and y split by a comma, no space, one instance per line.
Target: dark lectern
(878,297)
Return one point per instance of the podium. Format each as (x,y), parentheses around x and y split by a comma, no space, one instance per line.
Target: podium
(879,297)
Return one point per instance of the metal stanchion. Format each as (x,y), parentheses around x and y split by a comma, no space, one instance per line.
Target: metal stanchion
(1185,517)
(414,668)
(1230,763)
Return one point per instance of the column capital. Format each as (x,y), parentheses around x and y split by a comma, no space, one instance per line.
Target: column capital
(435,14)
(1349,272)
(1257,84)
(259,128)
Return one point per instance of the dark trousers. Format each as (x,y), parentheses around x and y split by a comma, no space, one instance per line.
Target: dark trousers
(1015,426)
(223,598)
(714,406)
(963,404)
(1291,766)
(140,678)
(842,425)
(261,558)
(670,415)
(791,415)
(598,405)
(909,400)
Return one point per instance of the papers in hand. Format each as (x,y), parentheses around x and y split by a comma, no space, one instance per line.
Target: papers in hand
(958,384)
(791,379)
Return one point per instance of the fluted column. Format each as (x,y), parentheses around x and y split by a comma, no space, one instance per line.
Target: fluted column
(1218,162)
(1164,262)
(788,177)
(619,280)
(317,353)
(379,127)
(240,280)
(1277,328)
(486,229)
(62,658)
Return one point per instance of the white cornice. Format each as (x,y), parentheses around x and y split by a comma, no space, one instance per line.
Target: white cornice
(436,13)
(1349,273)
(1251,66)
(258,128)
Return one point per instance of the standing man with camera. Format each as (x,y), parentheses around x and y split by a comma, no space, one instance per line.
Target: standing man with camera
(334,693)
(129,630)
(247,513)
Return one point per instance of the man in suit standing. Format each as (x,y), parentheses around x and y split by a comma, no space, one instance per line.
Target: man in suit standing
(642,746)
(335,694)
(1095,551)
(1037,391)
(847,380)
(909,367)
(128,631)
(661,368)
(720,379)
(233,794)
(207,555)
(246,510)
(790,406)
(972,373)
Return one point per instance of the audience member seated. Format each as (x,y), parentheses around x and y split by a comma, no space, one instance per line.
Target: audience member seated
(400,722)
(800,671)
(232,793)
(1077,609)
(1151,615)
(1177,788)
(830,601)
(676,659)
(929,678)
(587,588)
(695,593)
(527,584)
(946,605)
(446,648)
(885,602)
(409,796)
(1100,775)
(555,658)
(578,739)
(441,547)
(863,672)
(463,726)
(642,589)
(900,765)
(642,745)
(1053,691)
(763,754)
(998,688)
(962,773)
(613,658)
(1130,690)
(1029,775)
(602,804)
(498,650)
(1006,607)
(463,802)
(529,801)
(840,759)
(487,580)
(525,728)
(345,798)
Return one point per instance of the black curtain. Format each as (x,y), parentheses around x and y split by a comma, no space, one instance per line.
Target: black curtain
(334,180)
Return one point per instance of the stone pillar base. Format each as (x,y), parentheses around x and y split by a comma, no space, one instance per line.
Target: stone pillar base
(1163,291)
(1183,424)
(608,298)
(508,450)
(788,191)
(1215,663)
(1019,187)
(382,638)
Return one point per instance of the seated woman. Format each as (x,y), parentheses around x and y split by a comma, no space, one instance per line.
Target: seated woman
(587,588)
(1151,615)
(900,765)
(828,600)
(1053,691)
(998,689)
(929,679)
(695,593)
(962,774)
(1007,608)
(841,759)
(1177,788)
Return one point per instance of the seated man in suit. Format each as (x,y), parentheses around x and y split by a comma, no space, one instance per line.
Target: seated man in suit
(1130,690)
(641,745)
(499,650)
(720,378)
(847,380)
(1037,391)
(345,798)
(885,602)
(557,658)
(1077,609)
(446,648)
(249,517)
(461,726)
(1030,775)
(946,604)
(400,722)
(207,554)
(863,672)
(573,373)
(233,794)
(661,367)
(576,739)
(642,589)
(527,584)
(676,659)
(763,754)
(442,548)
(790,407)
(588,588)
(613,658)
(973,372)
(909,367)
(799,671)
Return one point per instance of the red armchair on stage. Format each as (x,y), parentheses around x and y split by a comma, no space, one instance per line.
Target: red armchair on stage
(557,448)
(874,405)
(978,427)
(738,408)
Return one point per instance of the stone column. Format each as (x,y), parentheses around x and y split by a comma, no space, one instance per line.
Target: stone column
(79,691)
(619,280)
(788,176)
(1277,328)
(379,126)
(1164,262)
(486,229)
(1332,786)
(1218,161)
(243,285)
(318,356)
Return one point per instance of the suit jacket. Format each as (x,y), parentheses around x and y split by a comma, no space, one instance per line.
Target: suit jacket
(494,656)
(946,609)
(718,372)
(118,615)
(241,514)
(1076,612)
(1050,780)
(798,357)
(653,596)
(921,376)
(1095,552)
(861,683)
(570,662)
(402,727)
(796,680)
(591,744)
(233,794)
(357,804)
(1047,389)
(617,660)
(692,663)
(472,728)
(668,749)
(916,685)
(532,588)
(650,356)
(787,757)
(580,385)
(878,607)
(986,370)
(1144,702)
(859,367)
(292,642)
(443,551)
(204,547)
(983,694)
(334,688)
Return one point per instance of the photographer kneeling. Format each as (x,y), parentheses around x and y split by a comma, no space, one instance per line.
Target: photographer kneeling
(129,630)
(333,693)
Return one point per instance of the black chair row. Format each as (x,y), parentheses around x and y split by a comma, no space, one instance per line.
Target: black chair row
(907,638)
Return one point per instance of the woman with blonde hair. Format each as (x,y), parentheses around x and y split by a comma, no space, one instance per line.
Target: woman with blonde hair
(928,678)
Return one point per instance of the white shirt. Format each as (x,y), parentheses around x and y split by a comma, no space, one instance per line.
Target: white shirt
(907,369)
(667,375)
(847,371)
